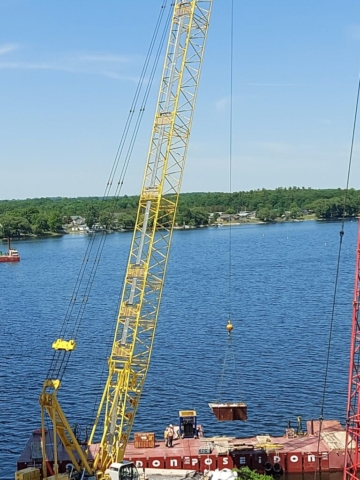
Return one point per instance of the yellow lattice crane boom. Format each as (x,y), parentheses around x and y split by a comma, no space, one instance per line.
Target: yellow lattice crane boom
(145,273)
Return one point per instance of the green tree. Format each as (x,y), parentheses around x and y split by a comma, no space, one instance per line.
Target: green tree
(40,224)
(183,216)
(246,474)
(214,217)
(230,211)
(295,211)
(91,215)
(126,220)
(325,203)
(14,226)
(107,220)
(55,221)
(322,208)
(30,213)
(200,216)
(266,215)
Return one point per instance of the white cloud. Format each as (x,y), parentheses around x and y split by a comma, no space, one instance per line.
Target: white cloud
(119,76)
(222,103)
(8,47)
(108,65)
(103,58)
(273,85)
(33,66)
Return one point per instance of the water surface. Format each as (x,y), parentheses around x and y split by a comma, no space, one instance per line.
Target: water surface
(279,298)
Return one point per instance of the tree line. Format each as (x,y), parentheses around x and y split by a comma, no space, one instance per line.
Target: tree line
(38,216)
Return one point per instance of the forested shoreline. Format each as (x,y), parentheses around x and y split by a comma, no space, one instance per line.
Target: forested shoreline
(41,216)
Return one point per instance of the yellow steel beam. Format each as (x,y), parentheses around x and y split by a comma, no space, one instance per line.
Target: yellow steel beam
(149,251)
(142,290)
(61,428)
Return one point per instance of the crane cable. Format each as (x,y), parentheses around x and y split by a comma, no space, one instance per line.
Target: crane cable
(230,351)
(129,153)
(230,149)
(125,165)
(321,417)
(60,358)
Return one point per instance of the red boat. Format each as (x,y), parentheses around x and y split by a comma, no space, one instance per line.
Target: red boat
(12,255)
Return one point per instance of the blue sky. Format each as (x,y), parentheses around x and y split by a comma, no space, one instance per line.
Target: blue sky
(69,69)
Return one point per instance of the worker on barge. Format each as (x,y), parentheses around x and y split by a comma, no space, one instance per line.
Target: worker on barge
(170,437)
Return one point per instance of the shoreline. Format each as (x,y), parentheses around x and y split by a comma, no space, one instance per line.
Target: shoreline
(185,227)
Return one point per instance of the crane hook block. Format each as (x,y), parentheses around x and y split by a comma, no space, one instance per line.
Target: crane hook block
(229,326)
(61,344)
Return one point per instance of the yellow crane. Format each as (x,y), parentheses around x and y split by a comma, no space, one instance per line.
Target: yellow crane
(145,272)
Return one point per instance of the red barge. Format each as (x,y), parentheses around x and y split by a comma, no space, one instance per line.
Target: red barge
(290,453)
(12,255)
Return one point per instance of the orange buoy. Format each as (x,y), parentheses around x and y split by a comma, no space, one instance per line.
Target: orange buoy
(229,326)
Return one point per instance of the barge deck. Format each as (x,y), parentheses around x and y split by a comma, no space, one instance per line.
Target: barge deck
(290,453)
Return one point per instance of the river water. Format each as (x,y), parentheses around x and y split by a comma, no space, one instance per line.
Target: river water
(282,287)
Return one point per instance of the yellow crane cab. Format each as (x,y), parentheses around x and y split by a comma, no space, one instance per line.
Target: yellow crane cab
(123,471)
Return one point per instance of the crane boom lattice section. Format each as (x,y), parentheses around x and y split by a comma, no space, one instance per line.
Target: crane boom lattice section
(139,306)
(352,460)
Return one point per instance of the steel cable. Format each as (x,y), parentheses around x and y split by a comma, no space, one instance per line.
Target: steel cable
(230,346)
(331,326)
(60,359)
(64,357)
